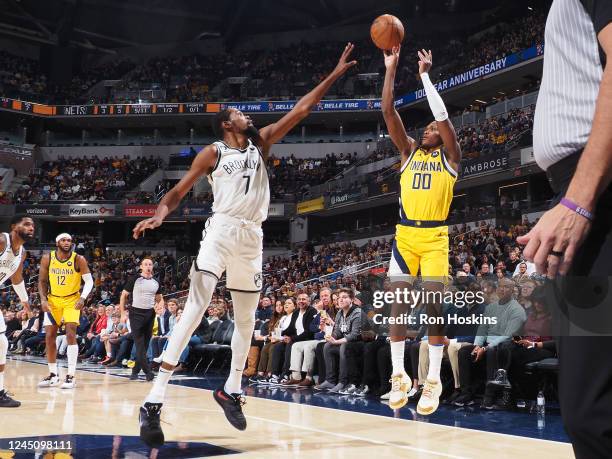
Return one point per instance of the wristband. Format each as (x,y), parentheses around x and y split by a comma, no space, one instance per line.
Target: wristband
(576,208)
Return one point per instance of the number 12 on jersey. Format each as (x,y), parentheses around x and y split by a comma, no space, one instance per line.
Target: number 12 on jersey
(421,181)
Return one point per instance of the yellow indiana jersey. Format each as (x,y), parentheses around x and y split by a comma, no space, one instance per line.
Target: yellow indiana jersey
(426,186)
(64,279)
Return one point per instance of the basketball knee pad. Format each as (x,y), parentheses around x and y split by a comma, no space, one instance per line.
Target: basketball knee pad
(3,348)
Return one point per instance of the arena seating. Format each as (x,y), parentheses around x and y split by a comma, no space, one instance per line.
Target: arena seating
(283,73)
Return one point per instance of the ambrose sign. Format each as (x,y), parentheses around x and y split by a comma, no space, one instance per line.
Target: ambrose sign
(484,165)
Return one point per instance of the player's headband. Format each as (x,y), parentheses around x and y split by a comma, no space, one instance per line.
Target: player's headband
(63,236)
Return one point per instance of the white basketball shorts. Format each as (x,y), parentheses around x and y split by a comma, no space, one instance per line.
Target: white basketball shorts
(235,246)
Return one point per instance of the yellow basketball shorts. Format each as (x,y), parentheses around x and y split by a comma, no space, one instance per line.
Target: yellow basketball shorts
(62,308)
(424,249)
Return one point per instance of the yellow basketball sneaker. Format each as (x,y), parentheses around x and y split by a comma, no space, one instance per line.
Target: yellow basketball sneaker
(131,364)
(400,385)
(430,398)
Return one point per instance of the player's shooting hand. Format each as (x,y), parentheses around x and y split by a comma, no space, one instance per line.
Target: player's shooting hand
(149,223)
(26,307)
(560,230)
(425,61)
(79,304)
(344,64)
(392,57)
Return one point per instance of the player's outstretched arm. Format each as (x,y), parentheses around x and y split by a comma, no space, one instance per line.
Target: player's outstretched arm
(445,127)
(19,285)
(203,163)
(404,143)
(274,132)
(43,281)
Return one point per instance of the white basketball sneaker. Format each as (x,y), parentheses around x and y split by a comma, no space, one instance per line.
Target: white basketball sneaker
(52,380)
(69,383)
(430,399)
(400,385)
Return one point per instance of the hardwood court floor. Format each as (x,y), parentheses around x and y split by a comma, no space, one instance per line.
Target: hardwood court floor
(101,418)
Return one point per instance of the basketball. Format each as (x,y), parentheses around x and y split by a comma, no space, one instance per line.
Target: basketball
(387,31)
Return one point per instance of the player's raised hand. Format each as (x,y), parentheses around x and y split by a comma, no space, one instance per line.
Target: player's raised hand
(425,61)
(344,64)
(392,57)
(149,223)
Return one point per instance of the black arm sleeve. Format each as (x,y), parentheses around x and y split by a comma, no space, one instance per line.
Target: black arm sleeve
(601,14)
(129,285)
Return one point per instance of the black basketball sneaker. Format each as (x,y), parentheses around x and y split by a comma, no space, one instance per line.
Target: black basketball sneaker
(7,402)
(150,429)
(232,407)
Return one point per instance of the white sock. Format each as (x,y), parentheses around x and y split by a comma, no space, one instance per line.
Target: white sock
(73,354)
(1,381)
(53,368)
(245,305)
(397,356)
(435,361)
(158,391)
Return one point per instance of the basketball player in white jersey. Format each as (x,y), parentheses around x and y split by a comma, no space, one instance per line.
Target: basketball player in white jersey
(12,256)
(232,241)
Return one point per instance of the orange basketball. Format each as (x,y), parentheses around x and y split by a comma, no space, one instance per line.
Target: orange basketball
(387,31)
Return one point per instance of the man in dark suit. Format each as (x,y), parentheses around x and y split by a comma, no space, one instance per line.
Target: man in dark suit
(298,330)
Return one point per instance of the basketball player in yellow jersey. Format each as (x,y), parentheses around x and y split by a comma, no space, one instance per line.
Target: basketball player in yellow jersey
(59,285)
(428,175)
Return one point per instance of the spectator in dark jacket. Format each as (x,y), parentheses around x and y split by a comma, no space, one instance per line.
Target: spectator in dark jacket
(347,329)
(298,330)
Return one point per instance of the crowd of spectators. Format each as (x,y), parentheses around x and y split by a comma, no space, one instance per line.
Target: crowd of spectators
(494,134)
(184,78)
(290,176)
(287,72)
(484,259)
(85,179)
(20,75)
(331,289)
(379,154)
(457,56)
(23,78)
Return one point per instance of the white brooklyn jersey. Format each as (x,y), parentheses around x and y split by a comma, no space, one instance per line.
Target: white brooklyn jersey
(9,262)
(240,183)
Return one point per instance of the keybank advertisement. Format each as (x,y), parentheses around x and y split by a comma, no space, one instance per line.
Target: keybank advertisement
(91,210)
